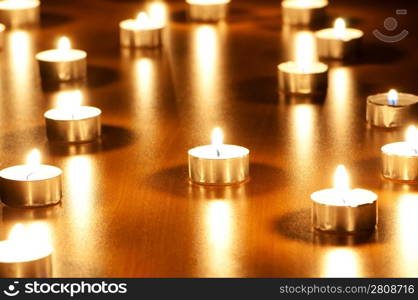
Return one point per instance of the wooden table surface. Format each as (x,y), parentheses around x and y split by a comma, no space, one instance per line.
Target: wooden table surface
(128,208)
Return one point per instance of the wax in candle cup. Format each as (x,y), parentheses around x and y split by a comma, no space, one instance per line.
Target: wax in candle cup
(339,42)
(308,78)
(26,253)
(77,125)
(303,12)
(391,109)
(344,210)
(207,10)
(141,32)
(63,63)
(30,185)
(400,160)
(218,163)
(19,13)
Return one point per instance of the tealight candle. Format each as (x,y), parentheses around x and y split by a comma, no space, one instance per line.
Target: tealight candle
(391,109)
(32,184)
(344,210)
(207,10)
(339,42)
(70,122)
(303,78)
(26,253)
(19,13)
(141,32)
(218,163)
(400,160)
(63,63)
(303,12)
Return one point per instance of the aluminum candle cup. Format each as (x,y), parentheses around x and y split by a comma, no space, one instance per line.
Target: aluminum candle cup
(303,12)
(25,254)
(358,213)
(62,64)
(30,185)
(297,79)
(140,32)
(231,166)
(82,124)
(339,42)
(19,13)
(383,111)
(207,11)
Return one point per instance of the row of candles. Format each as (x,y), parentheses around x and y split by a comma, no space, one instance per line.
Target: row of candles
(339,209)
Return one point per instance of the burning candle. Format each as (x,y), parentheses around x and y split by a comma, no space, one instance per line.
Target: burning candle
(218,163)
(70,122)
(400,160)
(26,253)
(342,209)
(391,109)
(19,13)
(303,12)
(32,184)
(339,42)
(63,63)
(141,32)
(207,10)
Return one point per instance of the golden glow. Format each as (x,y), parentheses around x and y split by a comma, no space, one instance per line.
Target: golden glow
(217,137)
(142,18)
(158,12)
(341,179)
(69,100)
(33,158)
(339,27)
(64,44)
(412,135)
(341,263)
(206,44)
(305,49)
(392,97)
(26,243)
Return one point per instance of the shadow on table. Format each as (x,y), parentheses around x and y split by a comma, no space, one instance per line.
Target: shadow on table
(53,19)
(18,215)
(113,137)
(264,179)
(297,226)
(235,15)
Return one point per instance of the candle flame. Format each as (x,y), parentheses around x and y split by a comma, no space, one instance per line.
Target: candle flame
(341,179)
(142,18)
(69,100)
(392,97)
(412,135)
(34,158)
(305,53)
(339,27)
(217,137)
(64,43)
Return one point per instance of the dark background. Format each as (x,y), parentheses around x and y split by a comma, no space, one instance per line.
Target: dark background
(128,209)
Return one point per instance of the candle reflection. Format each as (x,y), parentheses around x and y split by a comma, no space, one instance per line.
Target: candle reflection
(408,234)
(341,262)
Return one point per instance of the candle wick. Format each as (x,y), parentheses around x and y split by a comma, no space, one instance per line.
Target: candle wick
(27,176)
(218,153)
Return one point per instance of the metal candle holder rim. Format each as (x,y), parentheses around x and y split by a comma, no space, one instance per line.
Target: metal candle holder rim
(394,154)
(369,99)
(59,173)
(99,111)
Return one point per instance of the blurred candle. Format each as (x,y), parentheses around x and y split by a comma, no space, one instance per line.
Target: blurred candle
(400,160)
(218,163)
(303,12)
(391,109)
(342,209)
(208,10)
(339,42)
(63,63)
(19,13)
(71,122)
(141,32)
(2,29)
(31,184)
(26,253)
